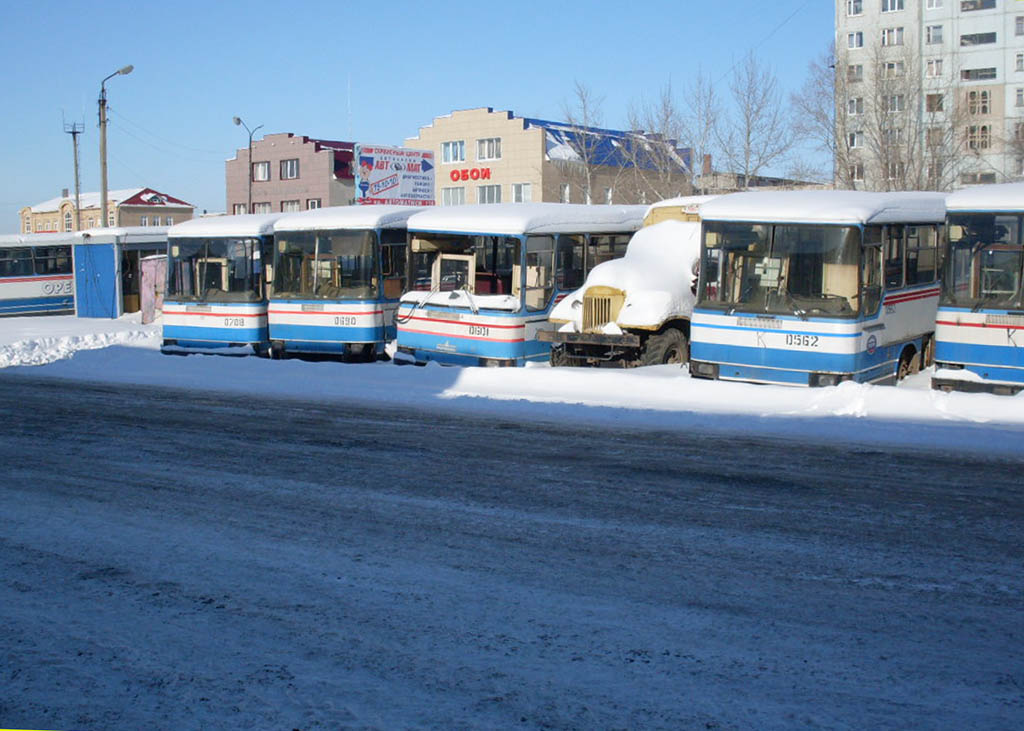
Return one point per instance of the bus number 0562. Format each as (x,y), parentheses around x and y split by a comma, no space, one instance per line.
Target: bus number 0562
(805,341)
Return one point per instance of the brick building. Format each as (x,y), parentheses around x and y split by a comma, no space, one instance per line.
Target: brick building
(129,207)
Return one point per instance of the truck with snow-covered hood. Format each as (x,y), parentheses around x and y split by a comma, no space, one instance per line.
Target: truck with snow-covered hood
(635,310)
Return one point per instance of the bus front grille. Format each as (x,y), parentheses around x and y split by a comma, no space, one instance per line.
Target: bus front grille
(601,308)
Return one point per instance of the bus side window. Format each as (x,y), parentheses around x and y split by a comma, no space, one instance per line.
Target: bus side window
(393,270)
(894,247)
(922,254)
(15,262)
(870,271)
(569,262)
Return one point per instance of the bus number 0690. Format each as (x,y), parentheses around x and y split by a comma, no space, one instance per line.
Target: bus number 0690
(806,341)
(346,321)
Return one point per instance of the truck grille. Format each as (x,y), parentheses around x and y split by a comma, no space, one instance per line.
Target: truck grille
(601,305)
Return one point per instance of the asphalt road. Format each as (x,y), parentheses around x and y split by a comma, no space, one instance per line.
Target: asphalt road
(178,560)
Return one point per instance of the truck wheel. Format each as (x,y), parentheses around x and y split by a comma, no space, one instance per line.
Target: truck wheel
(666,347)
(559,357)
(905,367)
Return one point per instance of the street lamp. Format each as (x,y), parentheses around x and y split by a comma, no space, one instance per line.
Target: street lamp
(103,139)
(238,121)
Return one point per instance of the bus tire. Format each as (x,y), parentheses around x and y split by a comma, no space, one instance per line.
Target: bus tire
(669,346)
(906,363)
(559,357)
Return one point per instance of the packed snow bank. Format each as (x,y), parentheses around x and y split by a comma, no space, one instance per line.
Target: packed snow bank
(660,397)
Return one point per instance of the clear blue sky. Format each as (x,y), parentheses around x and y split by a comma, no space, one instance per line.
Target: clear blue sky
(289,67)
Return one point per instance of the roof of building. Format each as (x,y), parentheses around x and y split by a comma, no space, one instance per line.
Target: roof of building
(519,218)
(125,197)
(827,206)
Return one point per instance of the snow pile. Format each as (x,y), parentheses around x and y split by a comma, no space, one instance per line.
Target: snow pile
(30,341)
(657,275)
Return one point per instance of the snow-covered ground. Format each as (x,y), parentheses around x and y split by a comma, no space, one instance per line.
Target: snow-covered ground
(662,397)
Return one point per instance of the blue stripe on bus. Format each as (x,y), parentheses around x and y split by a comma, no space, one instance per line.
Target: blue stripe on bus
(994,355)
(325,333)
(216,334)
(862,365)
(36,304)
(742,328)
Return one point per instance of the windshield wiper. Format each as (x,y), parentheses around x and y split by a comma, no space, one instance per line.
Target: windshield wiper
(802,314)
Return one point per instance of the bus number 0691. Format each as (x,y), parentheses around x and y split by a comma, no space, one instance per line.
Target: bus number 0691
(806,341)
(479,330)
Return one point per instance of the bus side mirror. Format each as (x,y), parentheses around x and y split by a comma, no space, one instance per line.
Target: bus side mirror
(956,233)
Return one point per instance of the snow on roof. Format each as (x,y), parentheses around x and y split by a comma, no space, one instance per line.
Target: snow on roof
(354,217)
(124,234)
(519,218)
(40,239)
(611,147)
(1000,197)
(86,200)
(248,224)
(827,206)
(689,203)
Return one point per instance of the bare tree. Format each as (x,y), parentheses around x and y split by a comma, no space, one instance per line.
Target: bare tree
(652,152)
(700,125)
(814,118)
(587,154)
(759,134)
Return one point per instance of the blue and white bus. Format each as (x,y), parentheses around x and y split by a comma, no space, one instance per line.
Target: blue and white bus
(484,278)
(36,274)
(338,275)
(979,329)
(811,288)
(216,295)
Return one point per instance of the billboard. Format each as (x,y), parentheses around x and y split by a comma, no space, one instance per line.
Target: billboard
(394,176)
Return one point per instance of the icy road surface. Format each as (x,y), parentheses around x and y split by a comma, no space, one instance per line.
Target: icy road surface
(173,560)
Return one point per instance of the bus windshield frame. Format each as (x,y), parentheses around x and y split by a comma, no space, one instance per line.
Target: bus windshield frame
(984,265)
(215,269)
(327,265)
(781,268)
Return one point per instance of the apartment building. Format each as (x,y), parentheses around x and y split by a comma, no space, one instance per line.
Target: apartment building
(290,173)
(488,156)
(128,207)
(929,93)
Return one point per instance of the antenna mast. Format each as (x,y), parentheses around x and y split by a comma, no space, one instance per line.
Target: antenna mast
(74,130)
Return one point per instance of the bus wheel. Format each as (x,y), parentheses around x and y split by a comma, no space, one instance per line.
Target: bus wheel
(906,364)
(665,347)
(928,353)
(559,358)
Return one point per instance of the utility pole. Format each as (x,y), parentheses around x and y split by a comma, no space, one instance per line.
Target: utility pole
(103,140)
(74,130)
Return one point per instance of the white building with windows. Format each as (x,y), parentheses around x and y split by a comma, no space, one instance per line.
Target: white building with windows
(946,75)
(488,156)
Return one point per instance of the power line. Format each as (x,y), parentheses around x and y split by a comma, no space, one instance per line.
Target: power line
(174,153)
(164,139)
(768,37)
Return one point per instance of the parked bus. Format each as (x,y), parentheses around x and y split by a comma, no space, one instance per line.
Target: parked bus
(216,296)
(36,274)
(812,288)
(484,278)
(338,275)
(979,330)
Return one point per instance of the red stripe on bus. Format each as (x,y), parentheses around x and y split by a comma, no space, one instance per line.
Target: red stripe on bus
(325,312)
(59,278)
(462,337)
(466,322)
(896,299)
(214,314)
(979,324)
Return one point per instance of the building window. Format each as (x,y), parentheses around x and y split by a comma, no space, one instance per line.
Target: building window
(978,102)
(935,136)
(854,7)
(488,194)
(110,220)
(290,169)
(169,221)
(521,193)
(856,139)
(855,40)
(855,72)
(855,106)
(260,172)
(564,193)
(1020,62)
(291,206)
(67,216)
(933,69)
(312,203)
(453,196)
(894,170)
(1020,97)
(894,103)
(933,34)
(1018,25)
(893,69)
(935,171)
(454,151)
(892,36)
(857,172)
(890,6)
(934,4)
(238,209)
(977,178)
(892,136)
(607,196)
(28,225)
(488,149)
(979,137)
(978,74)
(977,39)
(261,207)
(143,220)
(966,5)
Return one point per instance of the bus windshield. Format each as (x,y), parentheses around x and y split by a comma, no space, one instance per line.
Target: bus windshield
(986,257)
(326,265)
(215,270)
(477,264)
(787,269)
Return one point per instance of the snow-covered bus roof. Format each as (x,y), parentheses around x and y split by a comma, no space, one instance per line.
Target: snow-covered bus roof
(827,206)
(351,217)
(998,197)
(686,203)
(523,218)
(48,239)
(247,224)
(125,235)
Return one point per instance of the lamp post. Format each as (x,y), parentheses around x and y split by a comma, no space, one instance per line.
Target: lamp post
(103,139)
(238,121)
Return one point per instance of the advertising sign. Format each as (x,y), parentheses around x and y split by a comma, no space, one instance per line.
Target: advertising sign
(394,176)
